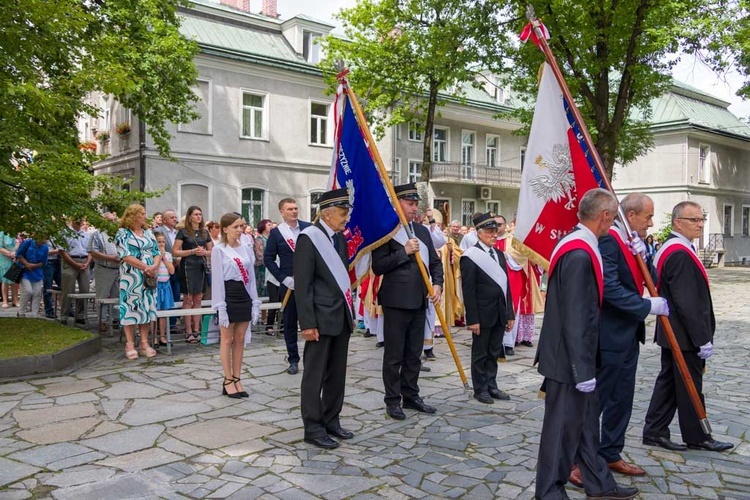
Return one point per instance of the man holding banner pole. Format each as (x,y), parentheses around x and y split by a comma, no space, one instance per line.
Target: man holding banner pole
(403,296)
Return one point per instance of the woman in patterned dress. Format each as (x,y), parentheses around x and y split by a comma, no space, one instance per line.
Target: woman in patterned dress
(7,254)
(139,257)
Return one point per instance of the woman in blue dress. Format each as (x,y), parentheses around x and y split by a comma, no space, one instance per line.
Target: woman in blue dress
(139,259)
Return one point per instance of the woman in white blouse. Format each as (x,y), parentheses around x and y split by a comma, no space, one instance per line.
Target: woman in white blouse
(234,298)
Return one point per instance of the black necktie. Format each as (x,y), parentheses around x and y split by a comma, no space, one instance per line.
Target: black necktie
(492,255)
(335,243)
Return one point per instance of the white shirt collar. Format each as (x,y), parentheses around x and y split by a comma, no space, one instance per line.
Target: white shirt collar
(588,235)
(330,232)
(293,228)
(683,239)
(484,247)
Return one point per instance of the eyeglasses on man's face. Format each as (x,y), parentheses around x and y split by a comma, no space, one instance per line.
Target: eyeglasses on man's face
(694,220)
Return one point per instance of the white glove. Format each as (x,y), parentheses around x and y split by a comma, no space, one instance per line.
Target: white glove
(636,245)
(659,306)
(587,386)
(256,312)
(288,282)
(707,350)
(223,318)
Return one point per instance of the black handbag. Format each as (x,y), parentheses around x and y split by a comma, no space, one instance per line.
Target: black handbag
(14,274)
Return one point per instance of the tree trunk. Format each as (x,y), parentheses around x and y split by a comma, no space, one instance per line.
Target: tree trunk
(429,124)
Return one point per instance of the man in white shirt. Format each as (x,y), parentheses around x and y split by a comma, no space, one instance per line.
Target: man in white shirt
(75,264)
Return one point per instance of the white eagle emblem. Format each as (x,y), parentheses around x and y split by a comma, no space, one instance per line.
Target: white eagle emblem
(350,190)
(558,181)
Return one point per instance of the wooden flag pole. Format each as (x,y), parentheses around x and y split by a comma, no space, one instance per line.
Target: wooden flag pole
(402,218)
(594,154)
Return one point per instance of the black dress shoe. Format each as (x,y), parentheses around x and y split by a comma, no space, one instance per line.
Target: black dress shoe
(617,493)
(428,354)
(498,394)
(527,343)
(419,405)
(293,369)
(424,368)
(664,443)
(395,411)
(711,444)
(323,442)
(509,351)
(367,334)
(484,397)
(380,344)
(341,433)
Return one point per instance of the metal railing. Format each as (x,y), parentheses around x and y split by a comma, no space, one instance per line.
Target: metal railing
(715,242)
(475,173)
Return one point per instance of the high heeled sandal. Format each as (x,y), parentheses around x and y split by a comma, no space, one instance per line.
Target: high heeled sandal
(229,381)
(191,338)
(242,394)
(131,353)
(147,351)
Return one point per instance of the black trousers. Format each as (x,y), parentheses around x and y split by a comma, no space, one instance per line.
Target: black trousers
(403,334)
(670,395)
(290,325)
(615,383)
(570,434)
(323,383)
(485,349)
(273,296)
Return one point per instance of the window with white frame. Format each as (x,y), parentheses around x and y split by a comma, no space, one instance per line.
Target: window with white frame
(415,171)
(728,220)
(106,117)
(440,145)
(523,156)
(492,148)
(319,123)
(203,106)
(467,212)
(745,220)
(252,205)
(315,203)
(415,131)
(254,115)
(311,46)
(468,140)
(493,207)
(704,163)
(396,173)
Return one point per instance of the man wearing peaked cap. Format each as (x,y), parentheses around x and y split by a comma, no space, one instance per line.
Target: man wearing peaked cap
(403,296)
(324,305)
(489,307)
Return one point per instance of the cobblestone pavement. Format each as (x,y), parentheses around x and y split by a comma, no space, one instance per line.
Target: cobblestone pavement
(160,429)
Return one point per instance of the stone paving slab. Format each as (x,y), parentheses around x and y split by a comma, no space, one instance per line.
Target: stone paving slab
(160,429)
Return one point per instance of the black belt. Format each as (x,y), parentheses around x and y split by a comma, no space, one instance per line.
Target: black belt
(79,256)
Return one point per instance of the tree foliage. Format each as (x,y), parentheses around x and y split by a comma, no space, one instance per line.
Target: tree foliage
(52,54)
(617,56)
(403,53)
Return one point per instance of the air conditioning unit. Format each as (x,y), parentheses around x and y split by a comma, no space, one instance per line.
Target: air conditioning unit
(484,193)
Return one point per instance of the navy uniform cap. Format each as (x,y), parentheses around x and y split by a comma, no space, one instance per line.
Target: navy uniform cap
(407,192)
(485,221)
(334,198)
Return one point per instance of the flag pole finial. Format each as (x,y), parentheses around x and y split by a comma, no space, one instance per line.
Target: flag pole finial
(341,70)
(530,14)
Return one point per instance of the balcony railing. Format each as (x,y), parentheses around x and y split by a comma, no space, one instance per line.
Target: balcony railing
(715,241)
(475,173)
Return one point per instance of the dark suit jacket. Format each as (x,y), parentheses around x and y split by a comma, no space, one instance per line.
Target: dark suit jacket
(484,300)
(277,246)
(691,312)
(569,341)
(623,310)
(402,286)
(320,303)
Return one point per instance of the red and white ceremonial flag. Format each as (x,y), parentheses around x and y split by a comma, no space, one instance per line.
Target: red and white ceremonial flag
(557,172)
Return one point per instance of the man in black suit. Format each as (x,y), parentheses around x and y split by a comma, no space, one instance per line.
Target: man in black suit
(403,296)
(281,242)
(323,289)
(683,281)
(622,327)
(567,355)
(489,307)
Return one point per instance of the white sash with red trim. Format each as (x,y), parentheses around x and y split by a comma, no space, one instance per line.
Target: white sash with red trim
(235,257)
(671,246)
(490,266)
(577,240)
(325,248)
(629,259)
(288,235)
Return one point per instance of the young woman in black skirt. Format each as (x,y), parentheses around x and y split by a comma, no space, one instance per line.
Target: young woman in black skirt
(235,299)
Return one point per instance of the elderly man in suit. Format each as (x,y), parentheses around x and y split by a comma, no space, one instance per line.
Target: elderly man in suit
(567,354)
(281,242)
(683,281)
(489,307)
(403,296)
(324,305)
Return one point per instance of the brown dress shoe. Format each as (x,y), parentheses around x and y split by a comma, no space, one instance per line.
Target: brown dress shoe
(575,477)
(623,467)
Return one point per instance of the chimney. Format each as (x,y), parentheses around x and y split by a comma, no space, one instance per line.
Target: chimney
(269,9)
(243,5)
